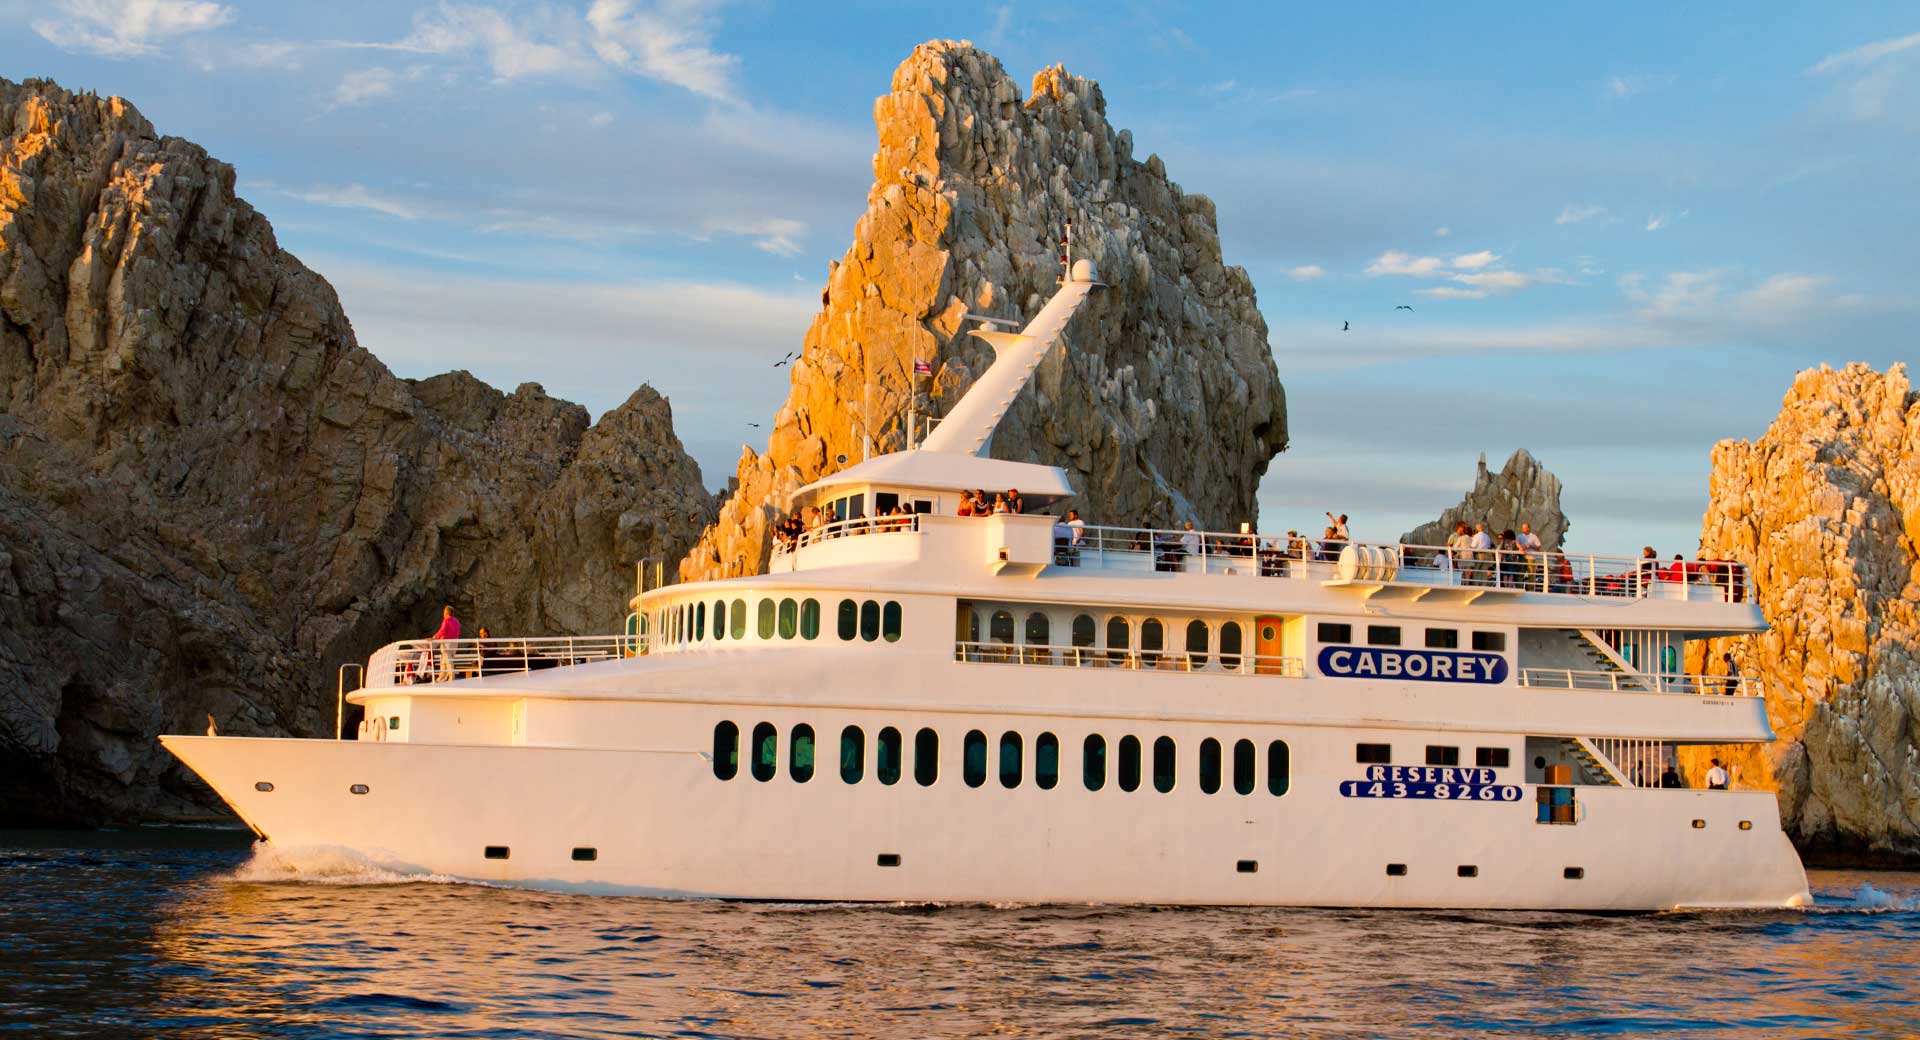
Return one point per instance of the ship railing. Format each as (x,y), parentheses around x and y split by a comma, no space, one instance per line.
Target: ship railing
(1063,656)
(1639,682)
(415,661)
(855,527)
(1641,763)
(1147,549)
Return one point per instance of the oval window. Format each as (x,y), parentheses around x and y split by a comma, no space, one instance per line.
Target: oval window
(700,620)
(1129,766)
(869,621)
(1010,754)
(1196,644)
(810,619)
(1093,762)
(789,618)
(800,754)
(973,758)
(719,619)
(1210,765)
(726,750)
(887,762)
(1163,765)
(853,754)
(926,757)
(766,751)
(1243,766)
(739,619)
(890,622)
(1046,761)
(849,618)
(1230,646)
(763,616)
(1119,639)
(1279,768)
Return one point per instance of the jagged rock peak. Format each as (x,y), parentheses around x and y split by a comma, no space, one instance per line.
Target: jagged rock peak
(1825,507)
(211,496)
(1522,492)
(1164,403)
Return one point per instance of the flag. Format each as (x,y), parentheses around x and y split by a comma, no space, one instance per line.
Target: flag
(922,368)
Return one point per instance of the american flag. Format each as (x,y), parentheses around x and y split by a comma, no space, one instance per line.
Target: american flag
(922,368)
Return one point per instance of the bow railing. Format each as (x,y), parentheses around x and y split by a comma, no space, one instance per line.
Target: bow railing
(859,525)
(1639,682)
(413,661)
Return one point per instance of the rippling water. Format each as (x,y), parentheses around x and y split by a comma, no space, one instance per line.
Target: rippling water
(189,934)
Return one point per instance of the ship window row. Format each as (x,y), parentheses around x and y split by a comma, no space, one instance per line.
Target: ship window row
(1437,755)
(789,618)
(1005,759)
(1202,642)
(1389,635)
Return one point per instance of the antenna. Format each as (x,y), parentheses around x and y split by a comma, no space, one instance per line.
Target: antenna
(1066,253)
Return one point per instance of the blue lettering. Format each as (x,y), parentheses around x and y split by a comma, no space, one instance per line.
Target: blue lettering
(1421,665)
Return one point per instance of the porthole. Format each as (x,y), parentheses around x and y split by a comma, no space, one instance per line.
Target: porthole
(1279,768)
(887,761)
(1268,634)
(890,622)
(973,758)
(763,619)
(766,751)
(363,789)
(1129,767)
(1010,759)
(1210,766)
(1163,765)
(887,859)
(800,754)
(1243,774)
(849,616)
(1093,762)
(1396,870)
(263,787)
(1467,870)
(739,619)
(726,750)
(789,618)
(926,757)
(1699,825)
(853,754)
(1046,761)
(810,619)
(869,621)
(1574,873)
(584,854)
(496,852)
(1745,825)
(1247,866)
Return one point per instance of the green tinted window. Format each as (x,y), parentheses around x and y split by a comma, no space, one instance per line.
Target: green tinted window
(800,757)
(764,617)
(1010,750)
(890,622)
(853,754)
(1046,761)
(1163,765)
(849,618)
(973,758)
(1093,762)
(789,618)
(869,621)
(887,761)
(766,751)
(719,619)
(700,620)
(726,750)
(1129,767)
(1210,765)
(739,619)
(926,757)
(810,619)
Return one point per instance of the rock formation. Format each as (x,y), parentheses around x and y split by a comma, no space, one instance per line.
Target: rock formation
(1825,507)
(1522,492)
(211,496)
(1164,403)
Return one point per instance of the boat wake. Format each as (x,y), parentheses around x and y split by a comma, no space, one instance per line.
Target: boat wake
(330,865)
(1867,899)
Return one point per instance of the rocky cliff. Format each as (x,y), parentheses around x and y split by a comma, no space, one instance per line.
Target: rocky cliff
(1825,507)
(1522,492)
(1164,403)
(210,495)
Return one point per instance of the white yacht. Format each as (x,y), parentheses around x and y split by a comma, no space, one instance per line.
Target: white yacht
(1005,708)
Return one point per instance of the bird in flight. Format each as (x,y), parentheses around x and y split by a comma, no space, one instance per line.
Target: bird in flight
(755,425)
(784,360)
(1402,307)
(1346,326)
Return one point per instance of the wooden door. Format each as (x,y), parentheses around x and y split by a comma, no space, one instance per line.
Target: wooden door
(1267,647)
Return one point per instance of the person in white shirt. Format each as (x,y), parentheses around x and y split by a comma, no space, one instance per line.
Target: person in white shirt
(1530,546)
(1340,527)
(1482,546)
(1077,528)
(1717,777)
(1190,540)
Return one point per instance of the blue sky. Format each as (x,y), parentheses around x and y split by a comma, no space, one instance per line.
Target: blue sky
(1622,230)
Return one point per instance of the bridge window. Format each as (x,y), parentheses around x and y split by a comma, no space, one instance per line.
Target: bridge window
(1443,639)
(810,619)
(1279,768)
(1196,644)
(739,619)
(1093,762)
(1039,629)
(764,619)
(1243,766)
(1083,630)
(1230,643)
(973,758)
(700,620)
(719,619)
(800,754)
(1442,756)
(926,757)
(869,621)
(1490,757)
(849,618)
(726,750)
(789,618)
(1153,639)
(1046,761)
(1335,633)
(766,751)
(853,754)
(1383,635)
(1492,642)
(1210,766)
(1129,767)
(1163,765)
(1119,639)
(887,763)
(1010,750)
(1373,754)
(890,622)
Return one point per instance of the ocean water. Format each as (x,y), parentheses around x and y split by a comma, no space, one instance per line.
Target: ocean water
(183,933)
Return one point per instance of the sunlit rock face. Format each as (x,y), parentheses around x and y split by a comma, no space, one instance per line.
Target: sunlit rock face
(1163,404)
(211,496)
(1522,492)
(1825,507)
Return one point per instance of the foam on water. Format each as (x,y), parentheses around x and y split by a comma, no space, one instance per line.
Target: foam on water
(330,865)
(1868,899)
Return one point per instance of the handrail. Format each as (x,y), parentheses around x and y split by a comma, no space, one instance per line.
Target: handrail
(414,661)
(1064,656)
(1639,682)
(859,525)
(340,696)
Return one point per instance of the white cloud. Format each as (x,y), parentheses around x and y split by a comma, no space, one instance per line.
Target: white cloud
(1498,280)
(1625,87)
(600,119)
(350,196)
(1862,56)
(1442,231)
(361,86)
(1306,272)
(670,41)
(1393,261)
(1681,294)
(545,42)
(1448,292)
(127,28)
(1574,214)
(1002,21)
(1786,293)
(1475,261)
(776,235)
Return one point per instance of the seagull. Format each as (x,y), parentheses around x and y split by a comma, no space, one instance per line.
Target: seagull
(1346,326)
(784,360)
(1402,307)
(755,425)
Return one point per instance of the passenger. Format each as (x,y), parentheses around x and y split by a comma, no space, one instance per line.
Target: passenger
(1677,571)
(1563,578)
(1190,540)
(1000,503)
(1731,684)
(1339,526)
(1670,779)
(1530,550)
(1330,545)
(1481,553)
(1717,777)
(966,503)
(1296,546)
(1647,569)
(1510,561)
(1460,545)
(1015,504)
(448,631)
